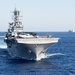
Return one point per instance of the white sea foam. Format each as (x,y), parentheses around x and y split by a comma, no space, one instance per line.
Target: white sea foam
(47,55)
(3,46)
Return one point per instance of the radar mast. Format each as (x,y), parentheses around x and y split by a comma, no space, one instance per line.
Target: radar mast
(16,26)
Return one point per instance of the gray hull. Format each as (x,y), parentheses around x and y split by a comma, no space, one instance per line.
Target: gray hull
(29,51)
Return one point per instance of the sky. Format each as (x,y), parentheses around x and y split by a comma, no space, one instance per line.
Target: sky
(39,15)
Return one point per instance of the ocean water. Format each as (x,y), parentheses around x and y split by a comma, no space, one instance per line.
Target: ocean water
(59,59)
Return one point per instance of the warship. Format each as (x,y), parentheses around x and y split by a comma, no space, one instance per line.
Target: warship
(72,30)
(26,45)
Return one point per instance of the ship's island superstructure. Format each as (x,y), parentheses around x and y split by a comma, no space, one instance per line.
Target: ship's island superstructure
(26,45)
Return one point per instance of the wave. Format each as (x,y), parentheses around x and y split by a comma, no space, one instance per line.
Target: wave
(3,55)
(3,46)
(47,55)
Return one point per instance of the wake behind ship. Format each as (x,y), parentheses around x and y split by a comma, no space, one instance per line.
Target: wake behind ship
(26,45)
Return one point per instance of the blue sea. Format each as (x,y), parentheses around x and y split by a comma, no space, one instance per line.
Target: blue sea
(59,60)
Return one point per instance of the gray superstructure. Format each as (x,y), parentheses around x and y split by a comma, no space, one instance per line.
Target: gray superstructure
(26,45)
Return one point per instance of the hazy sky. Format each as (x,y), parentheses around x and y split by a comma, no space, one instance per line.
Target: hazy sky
(40,15)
